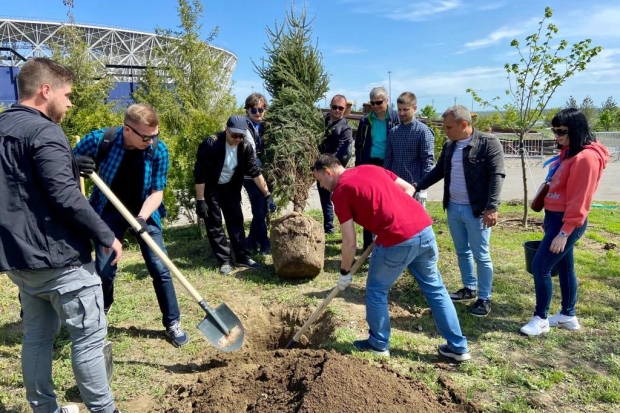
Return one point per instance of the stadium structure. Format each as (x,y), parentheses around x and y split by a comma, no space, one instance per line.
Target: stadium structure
(124,53)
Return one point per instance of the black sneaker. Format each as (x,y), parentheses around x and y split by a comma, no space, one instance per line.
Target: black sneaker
(481,308)
(446,351)
(249,263)
(463,294)
(176,334)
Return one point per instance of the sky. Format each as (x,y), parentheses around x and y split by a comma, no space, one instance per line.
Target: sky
(433,48)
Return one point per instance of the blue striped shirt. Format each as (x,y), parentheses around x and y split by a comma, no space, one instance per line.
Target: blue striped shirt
(410,151)
(155,168)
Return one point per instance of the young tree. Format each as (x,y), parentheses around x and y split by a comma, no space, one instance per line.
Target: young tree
(184,84)
(428,112)
(295,78)
(571,103)
(544,65)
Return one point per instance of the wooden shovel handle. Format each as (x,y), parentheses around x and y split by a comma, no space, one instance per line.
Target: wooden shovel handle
(145,236)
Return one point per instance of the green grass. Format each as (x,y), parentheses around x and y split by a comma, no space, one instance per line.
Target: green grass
(562,371)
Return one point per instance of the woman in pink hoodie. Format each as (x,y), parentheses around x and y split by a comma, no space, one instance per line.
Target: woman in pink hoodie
(573,178)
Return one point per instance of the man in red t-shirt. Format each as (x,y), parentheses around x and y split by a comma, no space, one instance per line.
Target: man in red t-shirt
(382,203)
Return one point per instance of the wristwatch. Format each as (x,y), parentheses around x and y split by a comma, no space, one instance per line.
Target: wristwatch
(563,234)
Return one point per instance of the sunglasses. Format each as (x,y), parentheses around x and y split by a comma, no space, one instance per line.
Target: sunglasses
(559,132)
(377,102)
(237,135)
(143,137)
(254,111)
(336,107)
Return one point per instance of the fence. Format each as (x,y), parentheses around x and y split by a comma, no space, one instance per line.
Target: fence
(612,141)
(534,145)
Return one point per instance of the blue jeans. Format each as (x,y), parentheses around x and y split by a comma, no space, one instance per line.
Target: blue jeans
(70,296)
(258,228)
(420,255)
(471,242)
(327,207)
(160,274)
(545,260)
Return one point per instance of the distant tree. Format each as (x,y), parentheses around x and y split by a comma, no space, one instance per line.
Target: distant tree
(571,103)
(609,117)
(428,112)
(549,114)
(186,88)
(609,103)
(294,76)
(589,110)
(543,66)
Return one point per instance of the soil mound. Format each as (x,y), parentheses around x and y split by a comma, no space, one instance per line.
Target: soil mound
(302,381)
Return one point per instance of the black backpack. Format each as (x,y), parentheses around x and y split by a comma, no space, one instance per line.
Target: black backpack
(105,146)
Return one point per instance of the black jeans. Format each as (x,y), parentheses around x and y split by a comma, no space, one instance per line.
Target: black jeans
(226,200)
(328,208)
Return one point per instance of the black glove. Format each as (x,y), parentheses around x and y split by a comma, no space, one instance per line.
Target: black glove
(143,227)
(271,206)
(201,208)
(86,165)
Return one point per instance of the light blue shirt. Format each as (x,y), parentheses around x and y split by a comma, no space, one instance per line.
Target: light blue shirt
(379,136)
(458,187)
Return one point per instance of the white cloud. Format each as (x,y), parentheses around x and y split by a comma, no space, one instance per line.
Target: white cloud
(492,38)
(426,10)
(600,23)
(492,6)
(349,50)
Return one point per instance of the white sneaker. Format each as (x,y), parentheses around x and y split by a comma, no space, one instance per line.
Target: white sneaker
(561,320)
(536,326)
(71,408)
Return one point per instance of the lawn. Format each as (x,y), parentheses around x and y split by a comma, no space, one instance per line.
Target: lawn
(563,371)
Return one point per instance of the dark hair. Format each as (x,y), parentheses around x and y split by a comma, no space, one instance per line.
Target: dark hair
(39,71)
(325,161)
(579,134)
(255,99)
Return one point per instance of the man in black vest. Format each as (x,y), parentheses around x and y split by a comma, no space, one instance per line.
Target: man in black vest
(221,162)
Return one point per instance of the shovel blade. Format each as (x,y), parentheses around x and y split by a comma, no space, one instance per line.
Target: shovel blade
(229,340)
(107,358)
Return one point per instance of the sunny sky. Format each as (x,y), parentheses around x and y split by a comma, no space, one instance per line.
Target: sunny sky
(434,48)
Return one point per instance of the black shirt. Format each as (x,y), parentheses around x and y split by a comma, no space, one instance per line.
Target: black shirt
(128,182)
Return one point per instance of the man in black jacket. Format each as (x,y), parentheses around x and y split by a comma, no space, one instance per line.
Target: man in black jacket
(472,167)
(46,228)
(221,162)
(337,141)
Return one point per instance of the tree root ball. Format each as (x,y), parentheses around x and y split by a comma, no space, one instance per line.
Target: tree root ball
(297,246)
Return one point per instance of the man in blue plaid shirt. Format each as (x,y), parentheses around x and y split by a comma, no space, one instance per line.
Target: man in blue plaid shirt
(410,149)
(136,169)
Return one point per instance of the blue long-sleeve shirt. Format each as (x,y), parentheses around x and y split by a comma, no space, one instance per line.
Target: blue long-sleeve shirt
(410,151)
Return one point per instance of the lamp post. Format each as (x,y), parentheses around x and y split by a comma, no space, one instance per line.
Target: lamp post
(390,86)
(455,101)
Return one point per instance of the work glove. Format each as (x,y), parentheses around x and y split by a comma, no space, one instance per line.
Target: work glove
(271,206)
(344,280)
(143,227)
(201,208)
(86,165)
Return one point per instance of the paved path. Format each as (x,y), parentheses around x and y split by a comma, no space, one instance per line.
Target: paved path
(609,189)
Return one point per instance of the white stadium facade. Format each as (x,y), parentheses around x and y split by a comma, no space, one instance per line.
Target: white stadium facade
(124,53)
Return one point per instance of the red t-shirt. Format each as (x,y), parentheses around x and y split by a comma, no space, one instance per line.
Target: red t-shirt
(368,195)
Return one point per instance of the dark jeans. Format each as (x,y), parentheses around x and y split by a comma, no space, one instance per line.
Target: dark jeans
(545,260)
(160,274)
(257,237)
(226,200)
(328,208)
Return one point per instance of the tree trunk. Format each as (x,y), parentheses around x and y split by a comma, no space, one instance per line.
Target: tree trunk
(299,201)
(524,172)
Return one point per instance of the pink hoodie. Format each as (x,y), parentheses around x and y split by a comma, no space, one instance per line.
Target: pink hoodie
(574,183)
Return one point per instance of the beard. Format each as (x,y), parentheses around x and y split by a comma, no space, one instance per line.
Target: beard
(56,112)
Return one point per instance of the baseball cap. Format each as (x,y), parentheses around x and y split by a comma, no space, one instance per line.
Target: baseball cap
(237,124)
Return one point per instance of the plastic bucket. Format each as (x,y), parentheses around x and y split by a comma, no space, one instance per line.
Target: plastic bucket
(530,248)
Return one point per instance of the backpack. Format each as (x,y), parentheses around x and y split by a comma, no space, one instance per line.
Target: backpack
(105,146)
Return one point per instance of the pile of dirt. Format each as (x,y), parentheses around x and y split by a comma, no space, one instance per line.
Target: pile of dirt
(302,381)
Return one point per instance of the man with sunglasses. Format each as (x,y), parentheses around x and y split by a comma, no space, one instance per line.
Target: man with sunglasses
(257,240)
(136,171)
(337,141)
(371,137)
(222,161)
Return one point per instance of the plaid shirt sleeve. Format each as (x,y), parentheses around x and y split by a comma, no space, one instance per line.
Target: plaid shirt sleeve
(87,146)
(161,164)
(427,151)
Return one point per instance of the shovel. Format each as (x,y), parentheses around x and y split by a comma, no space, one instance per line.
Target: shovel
(291,344)
(220,326)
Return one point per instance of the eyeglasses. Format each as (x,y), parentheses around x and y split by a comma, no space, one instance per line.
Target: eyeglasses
(336,107)
(377,102)
(254,111)
(144,138)
(559,132)
(237,135)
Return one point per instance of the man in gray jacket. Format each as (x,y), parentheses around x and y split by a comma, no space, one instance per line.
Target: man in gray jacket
(472,167)
(46,228)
